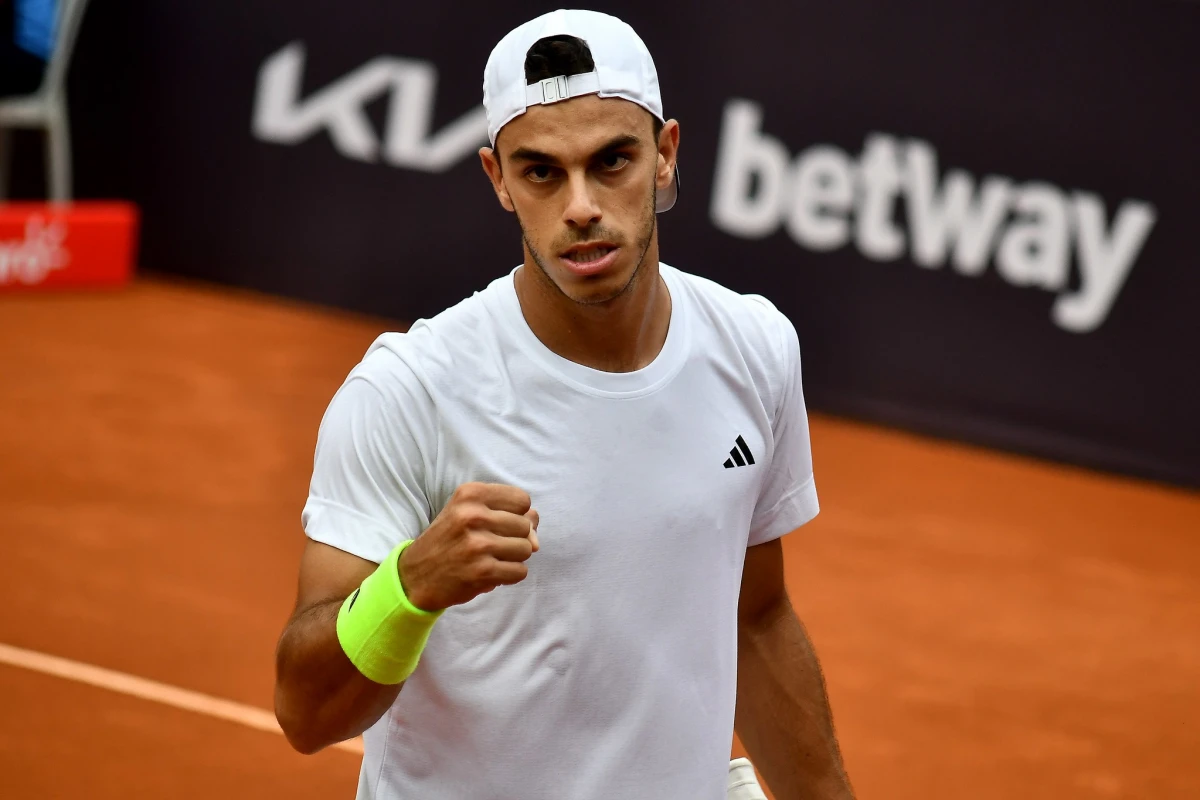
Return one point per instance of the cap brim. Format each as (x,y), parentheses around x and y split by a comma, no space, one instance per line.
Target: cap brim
(665,200)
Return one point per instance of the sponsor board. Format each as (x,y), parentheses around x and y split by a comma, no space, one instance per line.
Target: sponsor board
(46,246)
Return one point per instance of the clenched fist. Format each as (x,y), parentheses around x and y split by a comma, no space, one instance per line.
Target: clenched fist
(480,541)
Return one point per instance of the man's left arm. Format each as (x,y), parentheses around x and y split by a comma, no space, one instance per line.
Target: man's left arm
(783,715)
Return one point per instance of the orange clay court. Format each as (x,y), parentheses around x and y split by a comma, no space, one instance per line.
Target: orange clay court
(991,627)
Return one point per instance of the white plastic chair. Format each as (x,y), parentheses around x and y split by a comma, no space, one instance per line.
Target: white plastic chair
(47,107)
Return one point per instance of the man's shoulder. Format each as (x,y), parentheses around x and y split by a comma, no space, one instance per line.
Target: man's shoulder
(750,321)
(452,340)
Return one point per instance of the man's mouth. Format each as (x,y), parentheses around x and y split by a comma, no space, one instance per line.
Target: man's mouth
(590,258)
(587,253)
(590,255)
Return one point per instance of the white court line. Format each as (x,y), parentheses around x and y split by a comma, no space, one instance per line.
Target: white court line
(156,692)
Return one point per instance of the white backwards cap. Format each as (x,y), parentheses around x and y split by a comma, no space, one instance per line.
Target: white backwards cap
(624,69)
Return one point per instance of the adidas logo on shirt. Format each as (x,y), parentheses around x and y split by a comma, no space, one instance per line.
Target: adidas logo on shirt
(740,455)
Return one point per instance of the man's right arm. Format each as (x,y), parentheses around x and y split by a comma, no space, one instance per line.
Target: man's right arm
(479,541)
(320,697)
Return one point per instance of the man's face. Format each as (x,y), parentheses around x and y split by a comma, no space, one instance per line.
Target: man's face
(581,176)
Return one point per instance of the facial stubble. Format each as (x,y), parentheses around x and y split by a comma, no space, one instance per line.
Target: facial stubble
(584,235)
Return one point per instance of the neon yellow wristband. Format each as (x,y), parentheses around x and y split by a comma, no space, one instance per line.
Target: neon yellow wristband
(381,632)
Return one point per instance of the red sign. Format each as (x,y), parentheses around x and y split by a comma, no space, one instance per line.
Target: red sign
(53,245)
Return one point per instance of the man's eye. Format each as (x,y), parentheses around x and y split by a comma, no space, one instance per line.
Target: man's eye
(613,161)
(539,173)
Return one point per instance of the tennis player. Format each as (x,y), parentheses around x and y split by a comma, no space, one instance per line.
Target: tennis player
(543,556)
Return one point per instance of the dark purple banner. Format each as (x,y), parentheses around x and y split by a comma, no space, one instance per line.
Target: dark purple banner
(981,218)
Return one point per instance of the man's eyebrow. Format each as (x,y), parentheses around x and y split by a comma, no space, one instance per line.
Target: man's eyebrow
(526,154)
(538,157)
(617,143)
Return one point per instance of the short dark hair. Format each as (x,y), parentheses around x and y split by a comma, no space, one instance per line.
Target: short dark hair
(557,55)
(565,55)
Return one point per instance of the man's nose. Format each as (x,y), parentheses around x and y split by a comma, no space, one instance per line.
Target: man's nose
(582,209)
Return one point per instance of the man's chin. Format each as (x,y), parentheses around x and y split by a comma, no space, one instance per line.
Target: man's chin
(595,289)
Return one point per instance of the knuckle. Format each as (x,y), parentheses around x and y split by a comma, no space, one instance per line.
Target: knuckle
(455,517)
(475,517)
(467,515)
(467,491)
(482,572)
(477,546)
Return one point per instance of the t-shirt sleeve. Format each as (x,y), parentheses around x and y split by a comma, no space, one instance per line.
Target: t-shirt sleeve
(367,492)
(789,495)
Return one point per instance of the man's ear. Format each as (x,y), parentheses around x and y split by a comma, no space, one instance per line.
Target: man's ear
(668,154)
(491,165)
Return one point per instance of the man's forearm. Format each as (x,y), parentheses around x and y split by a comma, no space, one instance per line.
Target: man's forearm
(783,715)
(320,697)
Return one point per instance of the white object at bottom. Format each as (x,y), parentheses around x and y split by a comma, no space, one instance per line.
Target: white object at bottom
(742,783)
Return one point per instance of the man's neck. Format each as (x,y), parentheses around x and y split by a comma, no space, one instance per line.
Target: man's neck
(621,335)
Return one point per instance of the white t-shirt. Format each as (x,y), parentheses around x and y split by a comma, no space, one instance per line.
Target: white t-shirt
(610,671)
